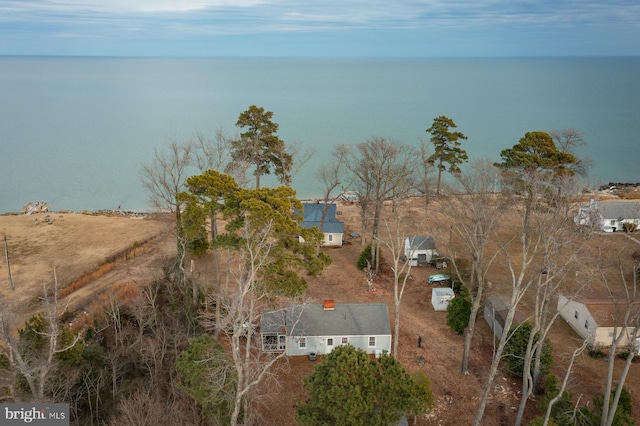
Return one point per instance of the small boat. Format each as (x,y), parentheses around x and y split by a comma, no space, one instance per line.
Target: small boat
(438,278)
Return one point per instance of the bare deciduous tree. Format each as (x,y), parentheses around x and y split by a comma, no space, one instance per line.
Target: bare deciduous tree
(212,152)
(522,249)
(570,140)
(383,170)
(562,251)
(242,309)
(36,367)
(164,177)
(474,209)
(393,238)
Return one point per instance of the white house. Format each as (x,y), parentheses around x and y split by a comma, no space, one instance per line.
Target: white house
(318,328)
(420,250)
(608,216)
(496,309)
(332,228)
(595,317)
(440,297)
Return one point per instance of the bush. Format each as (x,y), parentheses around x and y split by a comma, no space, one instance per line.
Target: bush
(314,267)
(326,259)
(516,347)
(365,258)
(623,415)
(458,313)
(596,353)
(562,411)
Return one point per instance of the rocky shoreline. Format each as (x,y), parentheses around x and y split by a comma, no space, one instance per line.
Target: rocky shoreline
(619,186)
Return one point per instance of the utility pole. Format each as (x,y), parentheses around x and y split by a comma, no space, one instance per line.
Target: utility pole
(6,255)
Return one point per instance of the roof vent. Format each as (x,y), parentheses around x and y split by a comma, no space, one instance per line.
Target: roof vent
(329,305)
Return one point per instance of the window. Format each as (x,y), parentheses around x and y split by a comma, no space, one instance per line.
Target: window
(330,237)
(586,324)
(302,343)
(575,315)
(372,341)
(613,222)
(330,341)
(345,341)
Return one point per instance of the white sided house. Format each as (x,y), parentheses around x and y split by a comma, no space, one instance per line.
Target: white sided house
(319,328)
(597,318)
(608,216)
(420,250)
(332,228)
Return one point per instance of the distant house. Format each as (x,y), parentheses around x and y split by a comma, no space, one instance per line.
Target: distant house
(420,250)
(595,317)
(496,309)
(608,216)
(333,229)
(318,328)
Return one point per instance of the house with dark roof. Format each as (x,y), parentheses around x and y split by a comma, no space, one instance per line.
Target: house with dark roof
(332,228)
(419,250)
(608,216)
(598,317)
(319,328)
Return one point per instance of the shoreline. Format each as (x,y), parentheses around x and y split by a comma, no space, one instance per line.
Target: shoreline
(101,212)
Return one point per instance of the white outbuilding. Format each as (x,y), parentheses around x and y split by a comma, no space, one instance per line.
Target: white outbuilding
(440,297)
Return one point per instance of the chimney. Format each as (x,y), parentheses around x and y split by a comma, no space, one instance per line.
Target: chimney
(329,305)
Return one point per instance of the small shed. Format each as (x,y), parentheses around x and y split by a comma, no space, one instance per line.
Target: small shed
(496,309)
(440,297)
(420,250)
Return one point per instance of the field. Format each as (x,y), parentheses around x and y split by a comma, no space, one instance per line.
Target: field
(90,254)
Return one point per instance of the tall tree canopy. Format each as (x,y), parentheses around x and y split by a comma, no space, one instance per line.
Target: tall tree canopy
(350,389)
(260,145)
(447,147)
(537,152)
(256,210)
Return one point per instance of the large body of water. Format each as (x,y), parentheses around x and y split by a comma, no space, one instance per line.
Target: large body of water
(75,131)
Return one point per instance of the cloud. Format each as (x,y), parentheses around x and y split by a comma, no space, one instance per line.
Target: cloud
(177,19)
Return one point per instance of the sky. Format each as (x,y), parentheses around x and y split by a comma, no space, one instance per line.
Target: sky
(361,28)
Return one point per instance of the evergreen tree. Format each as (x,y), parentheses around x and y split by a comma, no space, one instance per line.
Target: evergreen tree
(260,145)
(348,388)
(207,375)
(458,313)
(516,347)
(447,147)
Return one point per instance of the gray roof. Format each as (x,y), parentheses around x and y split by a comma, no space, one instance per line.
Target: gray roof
(357,319)
(312,215)
(422,243)
(619,209)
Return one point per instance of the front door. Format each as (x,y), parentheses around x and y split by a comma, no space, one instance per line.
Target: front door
(330,344)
